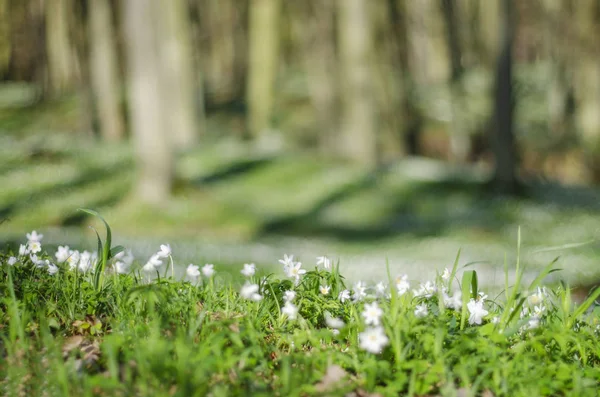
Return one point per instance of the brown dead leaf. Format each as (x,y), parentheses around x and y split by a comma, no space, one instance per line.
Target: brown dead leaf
(333,376)
(72,343)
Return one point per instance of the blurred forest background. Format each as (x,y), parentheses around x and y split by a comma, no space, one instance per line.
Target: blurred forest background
(369,130)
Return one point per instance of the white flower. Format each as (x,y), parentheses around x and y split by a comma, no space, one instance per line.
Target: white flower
(126,257)
(446,274)
(290,310)
(73,259)
(421,310)
(11,261)
(86,261)
(333,322)
(249,269)
(121,267)
(324,289)
(536,298)
(538,311)
(149,267)
(34,236)
(495,320)
(373,340)
(289,296)
(23,250)
(476,311)
(62,254)
(533,323)
(34,246)
(380,289)
(192,271)
(454,301)
(208,270)
(287,262)
(36,261)
(294,271)
(250,291)
(426,290)
(482,296)
(324,261)
(402,284)
(52,268)
(359,291)
(372,313)
(344,296)
(165,251)
(154,261)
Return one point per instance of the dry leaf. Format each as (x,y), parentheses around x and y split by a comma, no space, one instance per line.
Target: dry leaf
(332,377)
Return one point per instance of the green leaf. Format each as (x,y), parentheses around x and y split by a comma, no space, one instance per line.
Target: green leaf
(585,305)
(545,272)
(116,250)
(454,270)
(467,282)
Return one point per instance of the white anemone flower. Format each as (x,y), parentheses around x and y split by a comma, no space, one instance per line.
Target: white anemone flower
(34,236)
(333,322)
(476,311)
(324,261)
(52,268)
(421,310)
(454,301)
(34,246)
(380,289)
(208,270)
(63,253)
(249,269)
(290,310)
(154,261)
(446,274)
(289,296)
(344,296)
(287,262)
(402,284)
(295,271)
(373,340)
(121,267)
(149,267)
(372,314)
(359,291)
(11,261)
(165,251)
(192,271)
(23,250)
(324,289)
(250,291)
(426,290)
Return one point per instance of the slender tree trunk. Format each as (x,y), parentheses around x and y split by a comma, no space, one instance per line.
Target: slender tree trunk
(355,35)
(410,117)
(503,142)
(460,146)
(59,49)
(152,145)
(103,70)
(177,75)
(262,63)
(316,34)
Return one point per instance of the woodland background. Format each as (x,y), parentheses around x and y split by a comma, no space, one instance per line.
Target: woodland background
(242,129)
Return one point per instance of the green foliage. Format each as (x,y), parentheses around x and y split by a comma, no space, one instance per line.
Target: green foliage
(66,333)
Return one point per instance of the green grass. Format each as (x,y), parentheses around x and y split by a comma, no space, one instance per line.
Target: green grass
(145,333)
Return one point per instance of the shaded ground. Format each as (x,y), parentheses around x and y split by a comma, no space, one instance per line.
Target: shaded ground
(234,204)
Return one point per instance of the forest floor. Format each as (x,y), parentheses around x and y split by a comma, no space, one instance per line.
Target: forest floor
(235,204)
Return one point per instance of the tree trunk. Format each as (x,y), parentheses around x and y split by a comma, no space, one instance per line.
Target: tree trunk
(316,33)
(177,74)
(460,144)
(59,50)
(503,145)
(104,74)
(152,145)
(410,117)
(358,112)
(263,54)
